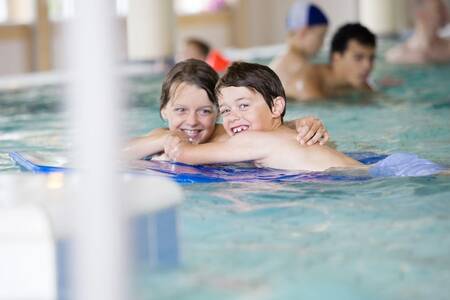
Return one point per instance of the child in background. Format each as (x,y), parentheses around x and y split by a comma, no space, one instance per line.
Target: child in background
(307,26)
(199,49)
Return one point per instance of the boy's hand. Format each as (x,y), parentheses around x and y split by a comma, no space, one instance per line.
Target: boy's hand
(311,131)
(173,144)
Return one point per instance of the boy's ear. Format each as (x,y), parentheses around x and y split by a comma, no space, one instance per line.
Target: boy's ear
(279,104)
(335,57)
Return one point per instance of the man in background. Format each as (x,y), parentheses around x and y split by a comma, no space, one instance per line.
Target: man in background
(352,57)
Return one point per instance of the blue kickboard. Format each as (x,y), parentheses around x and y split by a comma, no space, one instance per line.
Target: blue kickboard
(400,164)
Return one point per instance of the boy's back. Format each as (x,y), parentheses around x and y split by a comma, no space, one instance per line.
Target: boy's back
(281,150)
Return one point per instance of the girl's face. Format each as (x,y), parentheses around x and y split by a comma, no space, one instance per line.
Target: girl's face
(190,111)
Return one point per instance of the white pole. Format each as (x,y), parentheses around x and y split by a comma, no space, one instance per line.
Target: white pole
(150,29)
(98,240)
(383,16)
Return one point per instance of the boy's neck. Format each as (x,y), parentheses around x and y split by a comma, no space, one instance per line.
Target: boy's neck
(277,123)
(337,78)
(297,54)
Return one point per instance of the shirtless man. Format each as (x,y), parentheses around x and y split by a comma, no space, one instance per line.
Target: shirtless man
(307,26)
(352,56)
(252,105)
(425,45)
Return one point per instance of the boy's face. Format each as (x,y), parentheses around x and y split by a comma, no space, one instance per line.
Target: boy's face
(244,109)
(190,111)
(356,63)
(191,51)
(313,39)
(309,40)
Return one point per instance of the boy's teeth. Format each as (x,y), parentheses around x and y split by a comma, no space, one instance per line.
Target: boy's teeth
(239,129)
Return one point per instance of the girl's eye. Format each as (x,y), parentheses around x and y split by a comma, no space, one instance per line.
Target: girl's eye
(179,109)
(205,112)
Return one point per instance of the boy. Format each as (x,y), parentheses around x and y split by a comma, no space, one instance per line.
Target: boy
(252,104)
(307,25)
(352,58)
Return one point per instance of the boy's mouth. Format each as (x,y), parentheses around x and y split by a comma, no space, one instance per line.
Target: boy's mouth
(239,129)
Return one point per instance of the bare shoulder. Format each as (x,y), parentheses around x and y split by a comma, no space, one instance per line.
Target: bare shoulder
(313,82)
(219,135)
(255,138)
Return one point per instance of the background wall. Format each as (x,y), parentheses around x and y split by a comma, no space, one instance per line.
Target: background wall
(245,23)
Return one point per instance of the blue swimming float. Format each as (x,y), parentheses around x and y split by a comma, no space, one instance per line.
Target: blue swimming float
(399,164)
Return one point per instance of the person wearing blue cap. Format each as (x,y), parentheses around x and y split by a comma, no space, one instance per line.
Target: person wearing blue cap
(352,57)
(307,25)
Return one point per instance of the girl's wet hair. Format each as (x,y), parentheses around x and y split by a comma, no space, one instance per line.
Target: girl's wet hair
(193,72)
(259,78)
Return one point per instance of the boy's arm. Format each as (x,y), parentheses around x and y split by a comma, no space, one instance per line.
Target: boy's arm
(310,130)
(246,146)
(150,144)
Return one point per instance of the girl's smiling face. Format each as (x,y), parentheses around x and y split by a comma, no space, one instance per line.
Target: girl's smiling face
(191,112)
(243,109)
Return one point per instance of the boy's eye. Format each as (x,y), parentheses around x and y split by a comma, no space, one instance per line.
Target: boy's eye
(359,57)
(224,111)
(243,106)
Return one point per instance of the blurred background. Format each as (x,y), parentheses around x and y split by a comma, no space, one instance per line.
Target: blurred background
(31,31)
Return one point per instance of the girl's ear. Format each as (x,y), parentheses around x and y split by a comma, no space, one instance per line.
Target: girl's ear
(278,107)
(163,114)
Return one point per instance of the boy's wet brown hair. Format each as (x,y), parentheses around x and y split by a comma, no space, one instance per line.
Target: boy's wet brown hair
(193,72)
(257,77)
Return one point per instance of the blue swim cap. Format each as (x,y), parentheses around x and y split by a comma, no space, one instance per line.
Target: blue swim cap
(304,14)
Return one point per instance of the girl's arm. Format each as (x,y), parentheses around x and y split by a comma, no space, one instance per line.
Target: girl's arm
(150,144)
(310,130)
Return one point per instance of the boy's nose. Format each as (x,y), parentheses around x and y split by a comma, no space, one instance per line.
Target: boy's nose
(233,116)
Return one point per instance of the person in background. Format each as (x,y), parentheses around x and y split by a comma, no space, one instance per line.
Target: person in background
(199,49)
(425,45)
(352,57)
(307,26)
(194,48)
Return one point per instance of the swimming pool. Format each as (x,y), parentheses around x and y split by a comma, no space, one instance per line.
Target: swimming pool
(377,239)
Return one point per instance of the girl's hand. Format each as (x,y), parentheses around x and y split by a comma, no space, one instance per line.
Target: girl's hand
(311,131)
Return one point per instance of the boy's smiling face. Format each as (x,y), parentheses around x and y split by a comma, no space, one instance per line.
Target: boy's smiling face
(243,109)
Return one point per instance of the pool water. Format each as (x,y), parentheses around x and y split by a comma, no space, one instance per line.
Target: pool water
(386,238)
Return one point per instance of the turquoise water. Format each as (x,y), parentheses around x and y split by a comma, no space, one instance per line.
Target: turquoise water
(377,239)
